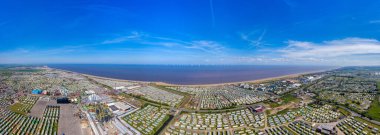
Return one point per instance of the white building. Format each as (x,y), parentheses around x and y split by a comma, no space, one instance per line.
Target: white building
(119,107)
(89,92)
(119,87)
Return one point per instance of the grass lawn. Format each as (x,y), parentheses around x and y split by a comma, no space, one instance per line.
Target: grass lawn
(374,111)
(288,98)
(283,111)
(17,108)
(148,100)
(286,111)
(344,112)
(272,104)
(144,101)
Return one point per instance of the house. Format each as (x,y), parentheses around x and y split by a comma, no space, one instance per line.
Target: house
(45,92)
(89,92)
(259,108)
(133,87)
(119,87)
(327,129)
(118,107)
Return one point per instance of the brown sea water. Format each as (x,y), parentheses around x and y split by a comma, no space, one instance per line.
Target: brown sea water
(188,74)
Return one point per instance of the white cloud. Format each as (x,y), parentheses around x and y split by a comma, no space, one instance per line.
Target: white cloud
(21,55)
(145,39)
(212,13)
(203,45)
(161,43)
(206,46)
(133,35)
(299,44)
(256,42)
(334,51)
(334,48)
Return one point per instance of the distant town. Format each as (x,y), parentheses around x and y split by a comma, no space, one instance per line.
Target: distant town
(43,100)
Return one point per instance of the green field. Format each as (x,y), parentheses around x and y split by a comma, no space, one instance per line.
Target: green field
(284,111)
(23,107)
(288,98)
(142,98)
(272,104)
(18,108)
(374,111)
(344,112)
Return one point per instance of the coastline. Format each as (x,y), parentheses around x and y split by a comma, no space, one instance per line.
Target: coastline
(263,80)
(100,77)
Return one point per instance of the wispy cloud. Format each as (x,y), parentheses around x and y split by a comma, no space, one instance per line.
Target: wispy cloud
(146,39)
(133,35)
(206,46)
(374,21)
(334,48)
(212,13)
(260,59)
(334,51)
(255,38)
(42,52)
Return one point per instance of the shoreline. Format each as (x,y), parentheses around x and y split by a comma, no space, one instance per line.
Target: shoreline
(205,85)
(263,80)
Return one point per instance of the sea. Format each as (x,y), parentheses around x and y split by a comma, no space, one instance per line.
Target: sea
(188,74)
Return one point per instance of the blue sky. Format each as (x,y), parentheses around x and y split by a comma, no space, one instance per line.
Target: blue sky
(279,32)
